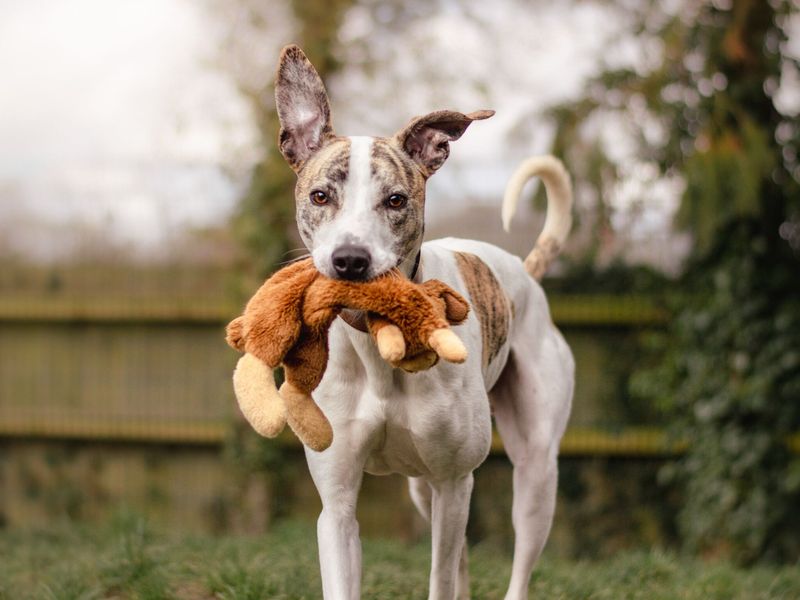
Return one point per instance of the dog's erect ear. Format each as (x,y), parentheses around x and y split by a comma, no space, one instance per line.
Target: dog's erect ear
(303,108)
(427,139)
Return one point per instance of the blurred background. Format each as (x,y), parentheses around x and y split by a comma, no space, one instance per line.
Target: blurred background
(142,200)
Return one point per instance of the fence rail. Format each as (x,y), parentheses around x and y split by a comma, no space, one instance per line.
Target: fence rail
(88,418)
(640,442)
(631,441)
(71,310)
(569,310)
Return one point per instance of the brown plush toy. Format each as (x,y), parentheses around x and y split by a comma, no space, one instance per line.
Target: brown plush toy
(287,321)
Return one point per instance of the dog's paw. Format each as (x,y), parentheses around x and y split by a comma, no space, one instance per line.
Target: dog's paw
(447,345)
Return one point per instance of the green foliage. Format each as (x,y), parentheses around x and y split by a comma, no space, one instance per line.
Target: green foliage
(131,564)
(256,460)
(724,181)
(727,370)
(69,562)
(264,220)
(729,378)
(264,225)
(581,277)
(265,214)
(710,98)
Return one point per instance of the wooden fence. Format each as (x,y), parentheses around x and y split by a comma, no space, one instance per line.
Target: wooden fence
(107,369)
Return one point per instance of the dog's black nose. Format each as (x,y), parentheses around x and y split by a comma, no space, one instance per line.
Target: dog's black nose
(351,262)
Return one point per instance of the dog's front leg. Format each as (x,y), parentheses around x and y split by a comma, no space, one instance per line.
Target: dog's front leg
(449,513)
(338,480)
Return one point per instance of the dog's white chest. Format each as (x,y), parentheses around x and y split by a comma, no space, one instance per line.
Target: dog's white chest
(396,453)
(424,430)
(430,424)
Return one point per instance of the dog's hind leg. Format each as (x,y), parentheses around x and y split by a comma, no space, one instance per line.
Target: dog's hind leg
(421,496)
(531,406)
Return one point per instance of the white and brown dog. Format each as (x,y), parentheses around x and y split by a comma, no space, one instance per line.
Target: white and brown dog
(360,212)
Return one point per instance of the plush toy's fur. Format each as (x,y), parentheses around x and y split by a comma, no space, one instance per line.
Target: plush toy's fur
(287,321)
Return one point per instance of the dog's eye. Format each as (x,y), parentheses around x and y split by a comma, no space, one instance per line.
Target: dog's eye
(319,198)
(396,201)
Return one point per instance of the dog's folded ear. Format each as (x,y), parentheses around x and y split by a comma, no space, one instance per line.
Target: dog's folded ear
(427,139)
(303,108)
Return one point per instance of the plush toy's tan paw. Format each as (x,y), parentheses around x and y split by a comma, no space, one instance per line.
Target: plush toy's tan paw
(419,362)
(306,418)
(259,401)
(447,345)
(234,334)
(391,344)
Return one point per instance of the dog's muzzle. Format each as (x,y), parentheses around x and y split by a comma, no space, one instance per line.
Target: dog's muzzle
(351,262)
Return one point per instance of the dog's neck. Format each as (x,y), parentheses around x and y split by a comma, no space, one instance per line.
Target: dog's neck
(415,267)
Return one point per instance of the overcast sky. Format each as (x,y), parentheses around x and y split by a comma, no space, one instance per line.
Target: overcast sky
(119,114)
(113,113)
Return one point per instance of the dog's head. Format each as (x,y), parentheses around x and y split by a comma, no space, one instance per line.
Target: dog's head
(360,200)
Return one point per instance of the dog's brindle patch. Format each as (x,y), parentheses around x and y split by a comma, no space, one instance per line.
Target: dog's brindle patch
(489,301)
(326,171)
(393,172)
(543,253)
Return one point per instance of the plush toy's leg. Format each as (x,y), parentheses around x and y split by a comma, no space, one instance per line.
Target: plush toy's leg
(390,342)
(392,347)
(259,401)
(447,345)
(306,419)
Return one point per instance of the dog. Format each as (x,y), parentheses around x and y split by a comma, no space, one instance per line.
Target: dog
(360,212)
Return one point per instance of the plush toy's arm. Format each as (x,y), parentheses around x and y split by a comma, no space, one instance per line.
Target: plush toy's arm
(388,337)
(393,349)
(319,318)
(279,325)
(273,316)
(415,344)
(234,334)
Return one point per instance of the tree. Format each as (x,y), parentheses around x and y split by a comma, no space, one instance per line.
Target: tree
(264,218)
(728,373)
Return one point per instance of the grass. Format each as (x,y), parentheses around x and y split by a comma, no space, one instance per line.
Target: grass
(127,559)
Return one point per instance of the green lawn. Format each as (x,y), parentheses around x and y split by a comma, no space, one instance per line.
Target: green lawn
(130,560)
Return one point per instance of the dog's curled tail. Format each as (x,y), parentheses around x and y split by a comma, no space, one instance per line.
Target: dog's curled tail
(559,209)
